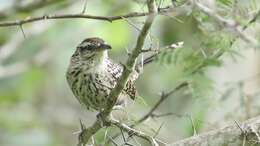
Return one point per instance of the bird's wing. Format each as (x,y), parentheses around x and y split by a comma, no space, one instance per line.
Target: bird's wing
(116,71)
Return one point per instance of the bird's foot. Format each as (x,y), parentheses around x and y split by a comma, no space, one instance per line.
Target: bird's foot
(102,119)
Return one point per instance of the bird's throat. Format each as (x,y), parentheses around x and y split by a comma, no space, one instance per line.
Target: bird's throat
(96,60)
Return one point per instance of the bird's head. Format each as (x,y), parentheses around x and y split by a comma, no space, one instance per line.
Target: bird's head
(93,48)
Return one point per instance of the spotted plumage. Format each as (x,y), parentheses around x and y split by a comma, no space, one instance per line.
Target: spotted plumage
(91,75)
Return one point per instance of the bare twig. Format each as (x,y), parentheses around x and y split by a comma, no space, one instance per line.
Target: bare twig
(134,132)
(163,97)
(152,57)
(113,141)
(86,16)
(158,130)
(21,27)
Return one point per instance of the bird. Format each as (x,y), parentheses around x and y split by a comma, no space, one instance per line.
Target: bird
(91,75)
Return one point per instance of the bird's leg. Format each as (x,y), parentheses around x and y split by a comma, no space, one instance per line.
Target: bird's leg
(80,133)
(102,119)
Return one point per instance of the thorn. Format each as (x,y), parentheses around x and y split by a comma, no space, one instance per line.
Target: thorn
(203,53)
(84,7)
(123,135)
(127,51)
(21,27)
(158,130)
(193,125)
(239,126)
(131,23)
(82,126)
(93,140)
(105,135)
(113,141)
(142,64)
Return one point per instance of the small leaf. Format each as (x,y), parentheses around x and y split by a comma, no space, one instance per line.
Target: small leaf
(212,62)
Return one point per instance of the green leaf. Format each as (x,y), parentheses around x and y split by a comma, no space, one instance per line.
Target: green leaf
(212,62)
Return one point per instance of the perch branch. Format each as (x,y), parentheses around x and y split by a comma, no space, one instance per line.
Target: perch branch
(128,68)
(134,132)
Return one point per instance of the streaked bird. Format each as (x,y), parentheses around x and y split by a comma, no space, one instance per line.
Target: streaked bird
(92,75)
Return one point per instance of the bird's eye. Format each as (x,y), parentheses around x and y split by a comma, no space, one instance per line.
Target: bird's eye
(83,49)
(91,47)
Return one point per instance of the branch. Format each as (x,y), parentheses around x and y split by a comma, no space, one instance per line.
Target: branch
(130,63)
(173,10)
(229,23)
(128,68)
(134,132)
(163,97)
(246,133)
(153,56)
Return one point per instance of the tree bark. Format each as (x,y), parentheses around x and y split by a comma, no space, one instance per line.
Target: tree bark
(245,134)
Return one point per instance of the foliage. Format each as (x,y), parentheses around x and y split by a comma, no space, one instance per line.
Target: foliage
(39,100)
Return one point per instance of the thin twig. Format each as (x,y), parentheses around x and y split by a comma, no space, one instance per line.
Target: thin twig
(21,27)
(158,130)
(87,16)
(113,141)
(163,97)
(134,132)
(131,23)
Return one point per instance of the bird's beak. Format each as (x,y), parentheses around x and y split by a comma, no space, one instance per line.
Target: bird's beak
(105,47)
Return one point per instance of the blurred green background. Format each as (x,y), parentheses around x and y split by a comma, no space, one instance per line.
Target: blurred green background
(37,107)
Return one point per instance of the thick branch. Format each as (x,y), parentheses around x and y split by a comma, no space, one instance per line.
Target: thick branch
(235,134)
(128,68)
